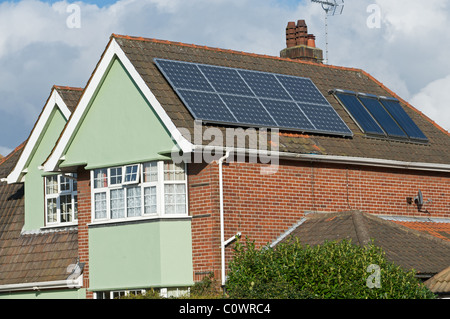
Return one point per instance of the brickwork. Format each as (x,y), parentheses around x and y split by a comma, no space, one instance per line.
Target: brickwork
(84,218)
(263,207)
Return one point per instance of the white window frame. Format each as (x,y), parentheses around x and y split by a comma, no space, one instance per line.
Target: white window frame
(159,184)
(57,196)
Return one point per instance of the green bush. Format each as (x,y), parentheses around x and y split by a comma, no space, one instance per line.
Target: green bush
(329,271)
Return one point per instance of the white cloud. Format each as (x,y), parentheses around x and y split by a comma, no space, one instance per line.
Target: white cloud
(433,101)
(4,151)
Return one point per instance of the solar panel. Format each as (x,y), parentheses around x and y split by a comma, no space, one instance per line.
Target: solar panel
(185,76)
(252,98)
(208,106)
(360,114)
(403,119)
(287,114)
(265,85)
(248,110)
(302,90)
(382,116)
(226,80)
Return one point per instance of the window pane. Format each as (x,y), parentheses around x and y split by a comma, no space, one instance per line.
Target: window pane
(51,210)
(175,198)
(116,175)
(65,206)
(117,203)
(74,182)
(64,184)
(100,205)
(150,172)
(75,209)
(100,178)
(134,201)
(174,172)
(131,173)
(52,184)
(150,200)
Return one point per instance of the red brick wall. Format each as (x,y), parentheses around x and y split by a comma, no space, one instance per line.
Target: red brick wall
(263,207)
(84,218)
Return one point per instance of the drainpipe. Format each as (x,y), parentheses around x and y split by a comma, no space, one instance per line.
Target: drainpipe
(222,239)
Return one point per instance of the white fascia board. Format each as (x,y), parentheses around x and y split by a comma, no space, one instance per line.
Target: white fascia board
(364,161)
(20,169)
(37,286)
(113,50)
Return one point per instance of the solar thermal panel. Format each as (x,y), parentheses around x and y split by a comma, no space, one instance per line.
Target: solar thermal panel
(383,117)
(408,125)
(360,114)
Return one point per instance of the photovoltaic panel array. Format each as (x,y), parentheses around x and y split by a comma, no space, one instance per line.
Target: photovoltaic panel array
(380,116)
(248,98)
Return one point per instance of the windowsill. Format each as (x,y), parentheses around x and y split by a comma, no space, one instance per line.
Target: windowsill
(60,226)
(136,220)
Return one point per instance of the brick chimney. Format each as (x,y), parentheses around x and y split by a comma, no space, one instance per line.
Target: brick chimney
(301,45)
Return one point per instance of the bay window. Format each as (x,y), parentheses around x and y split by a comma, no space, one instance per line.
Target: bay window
(139,190)
(61,204)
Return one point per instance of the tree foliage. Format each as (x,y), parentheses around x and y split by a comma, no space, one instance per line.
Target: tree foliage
(329,271)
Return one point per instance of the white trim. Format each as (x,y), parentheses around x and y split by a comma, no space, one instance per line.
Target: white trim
(365,161)
(44,285)
(160,191)
(113,50)
(20,169)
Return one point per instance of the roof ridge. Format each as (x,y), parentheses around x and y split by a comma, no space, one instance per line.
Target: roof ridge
(68,88)
(135,38)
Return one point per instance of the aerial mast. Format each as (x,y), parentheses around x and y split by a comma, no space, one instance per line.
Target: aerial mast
(331,8)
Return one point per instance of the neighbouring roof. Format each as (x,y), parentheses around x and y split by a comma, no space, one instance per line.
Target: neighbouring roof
(142,51)
(39,256)
(70,95)
(440,283)
(404,246)
(28,258)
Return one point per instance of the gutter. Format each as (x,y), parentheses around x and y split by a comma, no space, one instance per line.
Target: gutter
(45,285)
(222,240)
(364,161)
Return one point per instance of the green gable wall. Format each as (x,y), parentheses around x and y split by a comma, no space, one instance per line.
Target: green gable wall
(120,126)
(34,181)
(150,253)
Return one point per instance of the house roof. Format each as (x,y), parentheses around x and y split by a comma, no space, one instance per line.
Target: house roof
(406,247)
(440,283)
(63,97)
(34,257)
(142,51)
(40,256)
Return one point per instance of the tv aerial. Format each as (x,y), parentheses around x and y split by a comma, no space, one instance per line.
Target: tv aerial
(331,8)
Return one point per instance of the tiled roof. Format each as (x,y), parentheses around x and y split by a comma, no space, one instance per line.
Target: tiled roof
(440,283)
(38,257)
(70,95)
(141,51)
(406,247)
(437,229)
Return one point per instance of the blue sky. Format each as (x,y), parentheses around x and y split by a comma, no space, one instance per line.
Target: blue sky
(407,51)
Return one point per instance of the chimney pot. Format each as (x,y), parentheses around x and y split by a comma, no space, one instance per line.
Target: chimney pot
(299,44)
(311,40)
